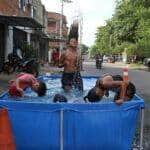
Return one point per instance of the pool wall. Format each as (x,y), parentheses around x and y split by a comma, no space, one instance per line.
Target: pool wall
(98,126)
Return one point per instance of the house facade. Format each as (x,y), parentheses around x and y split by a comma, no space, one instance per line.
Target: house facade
(53,30)
(22,21)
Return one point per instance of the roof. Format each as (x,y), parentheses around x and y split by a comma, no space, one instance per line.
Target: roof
(20,21)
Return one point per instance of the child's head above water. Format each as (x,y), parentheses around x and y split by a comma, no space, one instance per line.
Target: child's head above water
(59,98)
(94,95)
(130,91)
(40,88)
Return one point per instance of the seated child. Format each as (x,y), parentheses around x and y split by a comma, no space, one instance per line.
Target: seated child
(124,90)
(23,81)
(59,98)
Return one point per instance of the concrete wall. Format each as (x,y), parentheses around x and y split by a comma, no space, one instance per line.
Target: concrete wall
(8,40)
(38,11)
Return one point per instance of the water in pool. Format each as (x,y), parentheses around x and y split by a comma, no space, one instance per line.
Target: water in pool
(54,87)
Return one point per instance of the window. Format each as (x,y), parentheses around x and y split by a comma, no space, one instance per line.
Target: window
(33,12)
(22,4)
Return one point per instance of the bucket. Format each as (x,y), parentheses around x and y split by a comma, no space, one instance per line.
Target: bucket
(6,136)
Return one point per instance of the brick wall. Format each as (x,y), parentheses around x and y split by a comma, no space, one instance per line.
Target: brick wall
(54,24)
(53,27)
(11,8)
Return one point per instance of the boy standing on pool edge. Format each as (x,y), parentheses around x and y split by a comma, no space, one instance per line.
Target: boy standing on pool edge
(69,59)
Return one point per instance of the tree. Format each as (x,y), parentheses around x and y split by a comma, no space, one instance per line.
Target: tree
(93,50)
(103,40)
(128,28)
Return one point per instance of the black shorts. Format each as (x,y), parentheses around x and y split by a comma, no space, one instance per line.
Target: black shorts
(72,79)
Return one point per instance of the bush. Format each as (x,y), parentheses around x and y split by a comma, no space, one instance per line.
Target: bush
(28,51)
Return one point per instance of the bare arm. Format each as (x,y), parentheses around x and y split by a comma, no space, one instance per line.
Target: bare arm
(17,83)
(111,84)
(119,98)
(61,60)
(20,90)
(78,62)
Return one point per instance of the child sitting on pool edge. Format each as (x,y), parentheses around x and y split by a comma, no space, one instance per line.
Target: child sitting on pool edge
(23,81)
(124,90)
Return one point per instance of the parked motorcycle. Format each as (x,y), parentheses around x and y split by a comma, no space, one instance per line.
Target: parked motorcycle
(30,66)
(15,63)
(11,64)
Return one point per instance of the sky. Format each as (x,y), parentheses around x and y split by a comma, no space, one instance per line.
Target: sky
(93,13)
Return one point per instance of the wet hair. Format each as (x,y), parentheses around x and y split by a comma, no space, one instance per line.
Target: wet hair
(117,77)
(59,98)
(130,91)
(73,33)
(92,96)
(41,91)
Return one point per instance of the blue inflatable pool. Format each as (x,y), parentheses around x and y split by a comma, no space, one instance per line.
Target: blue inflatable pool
(79,126)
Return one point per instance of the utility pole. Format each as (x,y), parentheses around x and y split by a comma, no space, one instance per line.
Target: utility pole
(80,38)
(61,24)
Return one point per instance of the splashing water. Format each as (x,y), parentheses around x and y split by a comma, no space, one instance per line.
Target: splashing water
(54,87)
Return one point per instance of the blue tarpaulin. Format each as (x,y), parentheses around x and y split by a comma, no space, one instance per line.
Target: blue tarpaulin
(98,126)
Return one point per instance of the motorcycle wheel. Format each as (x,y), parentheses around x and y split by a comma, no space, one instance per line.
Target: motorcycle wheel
(8,68)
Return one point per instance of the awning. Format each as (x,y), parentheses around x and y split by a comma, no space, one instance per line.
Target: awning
(41,34)
(20,21)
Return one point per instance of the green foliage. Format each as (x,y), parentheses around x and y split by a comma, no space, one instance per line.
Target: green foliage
(93,50)
(28,51)
(103,40)
(128,28)
(129,47)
